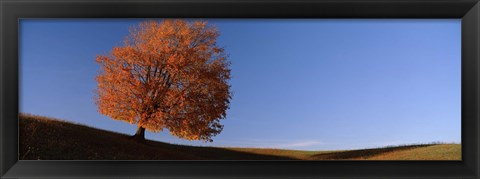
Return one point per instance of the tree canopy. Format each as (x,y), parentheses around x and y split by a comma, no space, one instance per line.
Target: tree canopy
(168,74)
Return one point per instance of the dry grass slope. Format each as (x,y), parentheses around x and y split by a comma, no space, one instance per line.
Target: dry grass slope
(43,138)
(434,152)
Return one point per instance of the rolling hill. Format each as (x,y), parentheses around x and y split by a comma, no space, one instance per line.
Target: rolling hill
(43,138)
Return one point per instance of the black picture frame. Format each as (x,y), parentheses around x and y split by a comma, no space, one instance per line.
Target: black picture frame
(13,10)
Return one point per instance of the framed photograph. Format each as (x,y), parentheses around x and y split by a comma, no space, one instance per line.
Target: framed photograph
(240,89)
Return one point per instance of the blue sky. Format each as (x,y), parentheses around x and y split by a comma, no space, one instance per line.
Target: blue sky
(299,84)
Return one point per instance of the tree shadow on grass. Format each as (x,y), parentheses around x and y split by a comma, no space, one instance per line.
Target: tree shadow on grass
(215,153)
(363,153)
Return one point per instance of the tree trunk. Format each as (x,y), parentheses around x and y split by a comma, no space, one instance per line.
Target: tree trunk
(140,134)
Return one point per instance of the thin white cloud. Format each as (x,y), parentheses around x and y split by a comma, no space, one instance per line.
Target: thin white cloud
(300,144)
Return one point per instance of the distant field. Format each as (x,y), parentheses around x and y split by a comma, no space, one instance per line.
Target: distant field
(44,138)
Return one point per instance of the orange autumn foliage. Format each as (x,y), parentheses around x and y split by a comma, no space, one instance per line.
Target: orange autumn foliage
(169,74)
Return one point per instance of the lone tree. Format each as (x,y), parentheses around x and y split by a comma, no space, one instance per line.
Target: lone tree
(169,74)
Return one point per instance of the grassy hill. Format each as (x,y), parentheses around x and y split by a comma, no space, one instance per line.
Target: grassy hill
(43,138)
